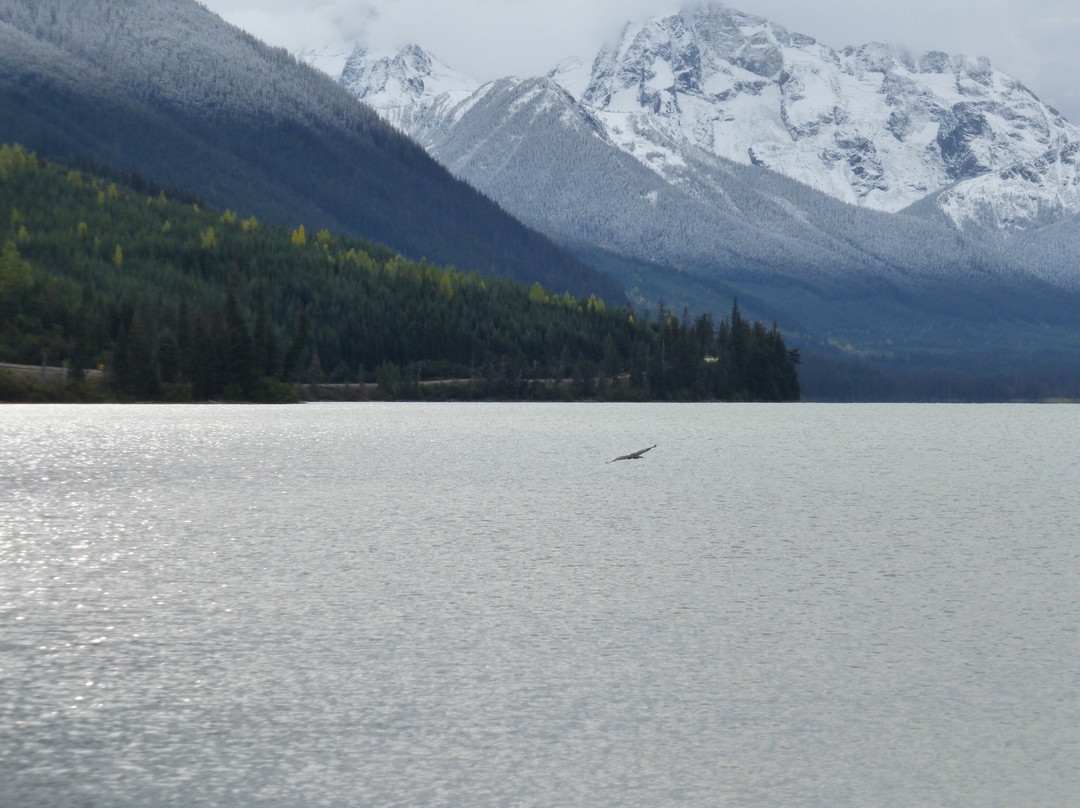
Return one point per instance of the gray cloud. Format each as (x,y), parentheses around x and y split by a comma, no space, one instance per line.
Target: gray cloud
(1034,40)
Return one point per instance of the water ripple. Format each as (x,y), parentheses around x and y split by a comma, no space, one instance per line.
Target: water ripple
(464,605)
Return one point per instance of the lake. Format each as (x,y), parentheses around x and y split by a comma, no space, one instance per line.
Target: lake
(466,605)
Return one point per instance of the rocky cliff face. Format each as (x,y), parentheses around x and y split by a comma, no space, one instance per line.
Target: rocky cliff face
(871,125)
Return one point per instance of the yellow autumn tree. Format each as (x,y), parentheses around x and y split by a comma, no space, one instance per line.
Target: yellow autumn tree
(299,236)
(15,273)
(15,159)
(446,286)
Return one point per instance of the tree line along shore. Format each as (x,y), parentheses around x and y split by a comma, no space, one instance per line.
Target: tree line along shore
(144,294)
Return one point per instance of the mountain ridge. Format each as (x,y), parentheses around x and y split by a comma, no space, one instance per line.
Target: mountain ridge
(870,125)
(597,155)
(509,138)
(171,91)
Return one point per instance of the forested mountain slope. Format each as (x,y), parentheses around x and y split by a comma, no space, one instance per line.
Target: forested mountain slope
(171,91)
(181,302)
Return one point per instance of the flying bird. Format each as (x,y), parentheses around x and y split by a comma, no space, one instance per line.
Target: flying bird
(633,455)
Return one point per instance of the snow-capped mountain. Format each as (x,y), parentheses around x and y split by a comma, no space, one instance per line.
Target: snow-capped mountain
(865,197)
(403,86)
(532,147)
(871,126)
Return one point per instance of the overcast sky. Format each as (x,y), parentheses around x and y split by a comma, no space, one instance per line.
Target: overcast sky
(1037,41)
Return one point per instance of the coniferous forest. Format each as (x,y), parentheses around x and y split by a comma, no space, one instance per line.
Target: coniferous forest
(169,300)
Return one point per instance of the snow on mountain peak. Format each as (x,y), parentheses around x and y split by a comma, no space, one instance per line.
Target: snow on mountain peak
(409,77)
(1034,193)
(871,125)
(573,74)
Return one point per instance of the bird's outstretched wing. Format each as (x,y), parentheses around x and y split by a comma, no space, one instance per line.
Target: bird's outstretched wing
(633,455)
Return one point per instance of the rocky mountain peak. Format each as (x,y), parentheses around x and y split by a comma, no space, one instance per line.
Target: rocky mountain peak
(409,77)
(871,125)
(684,52)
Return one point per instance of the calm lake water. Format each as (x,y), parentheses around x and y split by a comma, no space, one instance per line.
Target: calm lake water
(464,605)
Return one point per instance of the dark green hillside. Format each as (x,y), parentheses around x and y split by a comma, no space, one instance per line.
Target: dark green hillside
(180,302)
(170,91)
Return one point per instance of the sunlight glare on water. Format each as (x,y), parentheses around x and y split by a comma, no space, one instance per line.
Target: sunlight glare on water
(465,604)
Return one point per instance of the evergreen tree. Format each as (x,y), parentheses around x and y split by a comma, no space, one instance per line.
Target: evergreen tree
(299,342)
(265,342)
(177,314)
(238,359)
